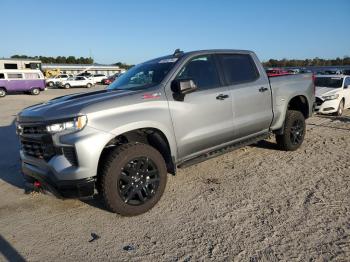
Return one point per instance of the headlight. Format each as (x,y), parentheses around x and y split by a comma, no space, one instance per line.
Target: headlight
(73,125)
(331,97)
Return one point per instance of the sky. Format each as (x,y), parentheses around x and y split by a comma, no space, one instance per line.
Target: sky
(133,31)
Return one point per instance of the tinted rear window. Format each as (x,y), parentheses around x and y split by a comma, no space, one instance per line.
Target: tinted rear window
(238,68)
(2,76)
(329,82)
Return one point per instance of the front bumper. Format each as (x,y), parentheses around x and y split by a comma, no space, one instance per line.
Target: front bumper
(326,107)
(61,189)
(65,164)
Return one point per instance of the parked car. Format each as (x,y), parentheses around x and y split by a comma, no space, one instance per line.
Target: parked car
(78,81)
(276,72)
(109,80)
(168,113)
(99,77)
(332,94)
(86,74)
(14,80)
(346,72)
(56,79)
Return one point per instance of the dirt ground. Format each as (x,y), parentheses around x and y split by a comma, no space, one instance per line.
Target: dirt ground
(254,204)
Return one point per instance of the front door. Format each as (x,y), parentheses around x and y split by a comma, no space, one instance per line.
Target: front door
(203,119)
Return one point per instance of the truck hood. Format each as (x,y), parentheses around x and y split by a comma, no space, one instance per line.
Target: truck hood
(323,91)
(69,105)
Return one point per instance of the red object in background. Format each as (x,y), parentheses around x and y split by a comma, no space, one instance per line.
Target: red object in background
(276,72)
(37,184)
(109,80)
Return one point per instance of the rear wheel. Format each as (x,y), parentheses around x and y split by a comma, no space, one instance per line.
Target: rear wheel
(134,176)
(2,92)
(35,91)
(340,109)
(293,131)
(88,85)
(67,86)
(50,84)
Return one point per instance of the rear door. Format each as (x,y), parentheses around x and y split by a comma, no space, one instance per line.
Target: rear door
(250,92)
(203,119)
(347,92)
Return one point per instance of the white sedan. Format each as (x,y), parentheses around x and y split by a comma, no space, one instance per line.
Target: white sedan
(78,81)
(332,94)
(99,77)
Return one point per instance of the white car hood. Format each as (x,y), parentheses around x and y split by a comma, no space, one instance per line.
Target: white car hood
(326,91)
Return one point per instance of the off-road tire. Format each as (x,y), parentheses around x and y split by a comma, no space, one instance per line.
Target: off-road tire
(35,91)
(111,171)
(285,141)
(2,92)
(340,108)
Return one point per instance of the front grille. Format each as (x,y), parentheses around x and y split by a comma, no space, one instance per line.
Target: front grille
(35,130)
(319,101)
(36,141)
(38,149)
(69,153)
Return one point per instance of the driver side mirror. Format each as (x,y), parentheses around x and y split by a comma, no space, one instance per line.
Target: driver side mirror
(183,86)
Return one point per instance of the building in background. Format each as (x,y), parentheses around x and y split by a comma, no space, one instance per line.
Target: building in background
(74,69)
(19,63)
(24,63)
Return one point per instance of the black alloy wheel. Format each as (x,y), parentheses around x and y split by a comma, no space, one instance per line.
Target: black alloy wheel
(297,132)
(139,181)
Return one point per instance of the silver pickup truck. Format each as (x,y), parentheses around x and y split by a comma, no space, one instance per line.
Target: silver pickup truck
(164,114)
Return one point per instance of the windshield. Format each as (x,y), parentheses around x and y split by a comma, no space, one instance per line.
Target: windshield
(334,82)
(144,75)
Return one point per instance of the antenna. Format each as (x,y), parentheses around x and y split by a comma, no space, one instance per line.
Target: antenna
(178,52)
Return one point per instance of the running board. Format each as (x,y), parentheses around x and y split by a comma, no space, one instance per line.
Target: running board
(223,150)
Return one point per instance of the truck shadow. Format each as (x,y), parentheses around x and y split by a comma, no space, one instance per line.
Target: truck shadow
(10,170)
(344,119)
(266,145)
(10,253)
(96,201)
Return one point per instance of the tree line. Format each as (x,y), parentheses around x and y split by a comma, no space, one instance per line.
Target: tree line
(307,62)
(58,59)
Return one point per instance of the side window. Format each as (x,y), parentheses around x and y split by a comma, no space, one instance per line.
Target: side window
(2,76)
(14,76)
(202,70)
(31,76)
(347,82)
(238,68)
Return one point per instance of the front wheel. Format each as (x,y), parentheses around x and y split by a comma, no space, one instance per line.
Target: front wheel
(134,176)
(35,91)
(50,84)
(293,131)
(67,86)
(2,92)
(340,108)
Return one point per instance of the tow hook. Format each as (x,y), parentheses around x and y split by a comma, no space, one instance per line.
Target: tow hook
(37,185)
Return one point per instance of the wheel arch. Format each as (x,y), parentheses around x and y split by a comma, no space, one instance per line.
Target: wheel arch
(150,135)
(299,103)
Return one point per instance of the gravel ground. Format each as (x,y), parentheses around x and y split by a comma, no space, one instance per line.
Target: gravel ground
(254,204)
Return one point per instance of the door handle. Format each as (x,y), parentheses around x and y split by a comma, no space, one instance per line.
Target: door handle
(222,97)
(263,89)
